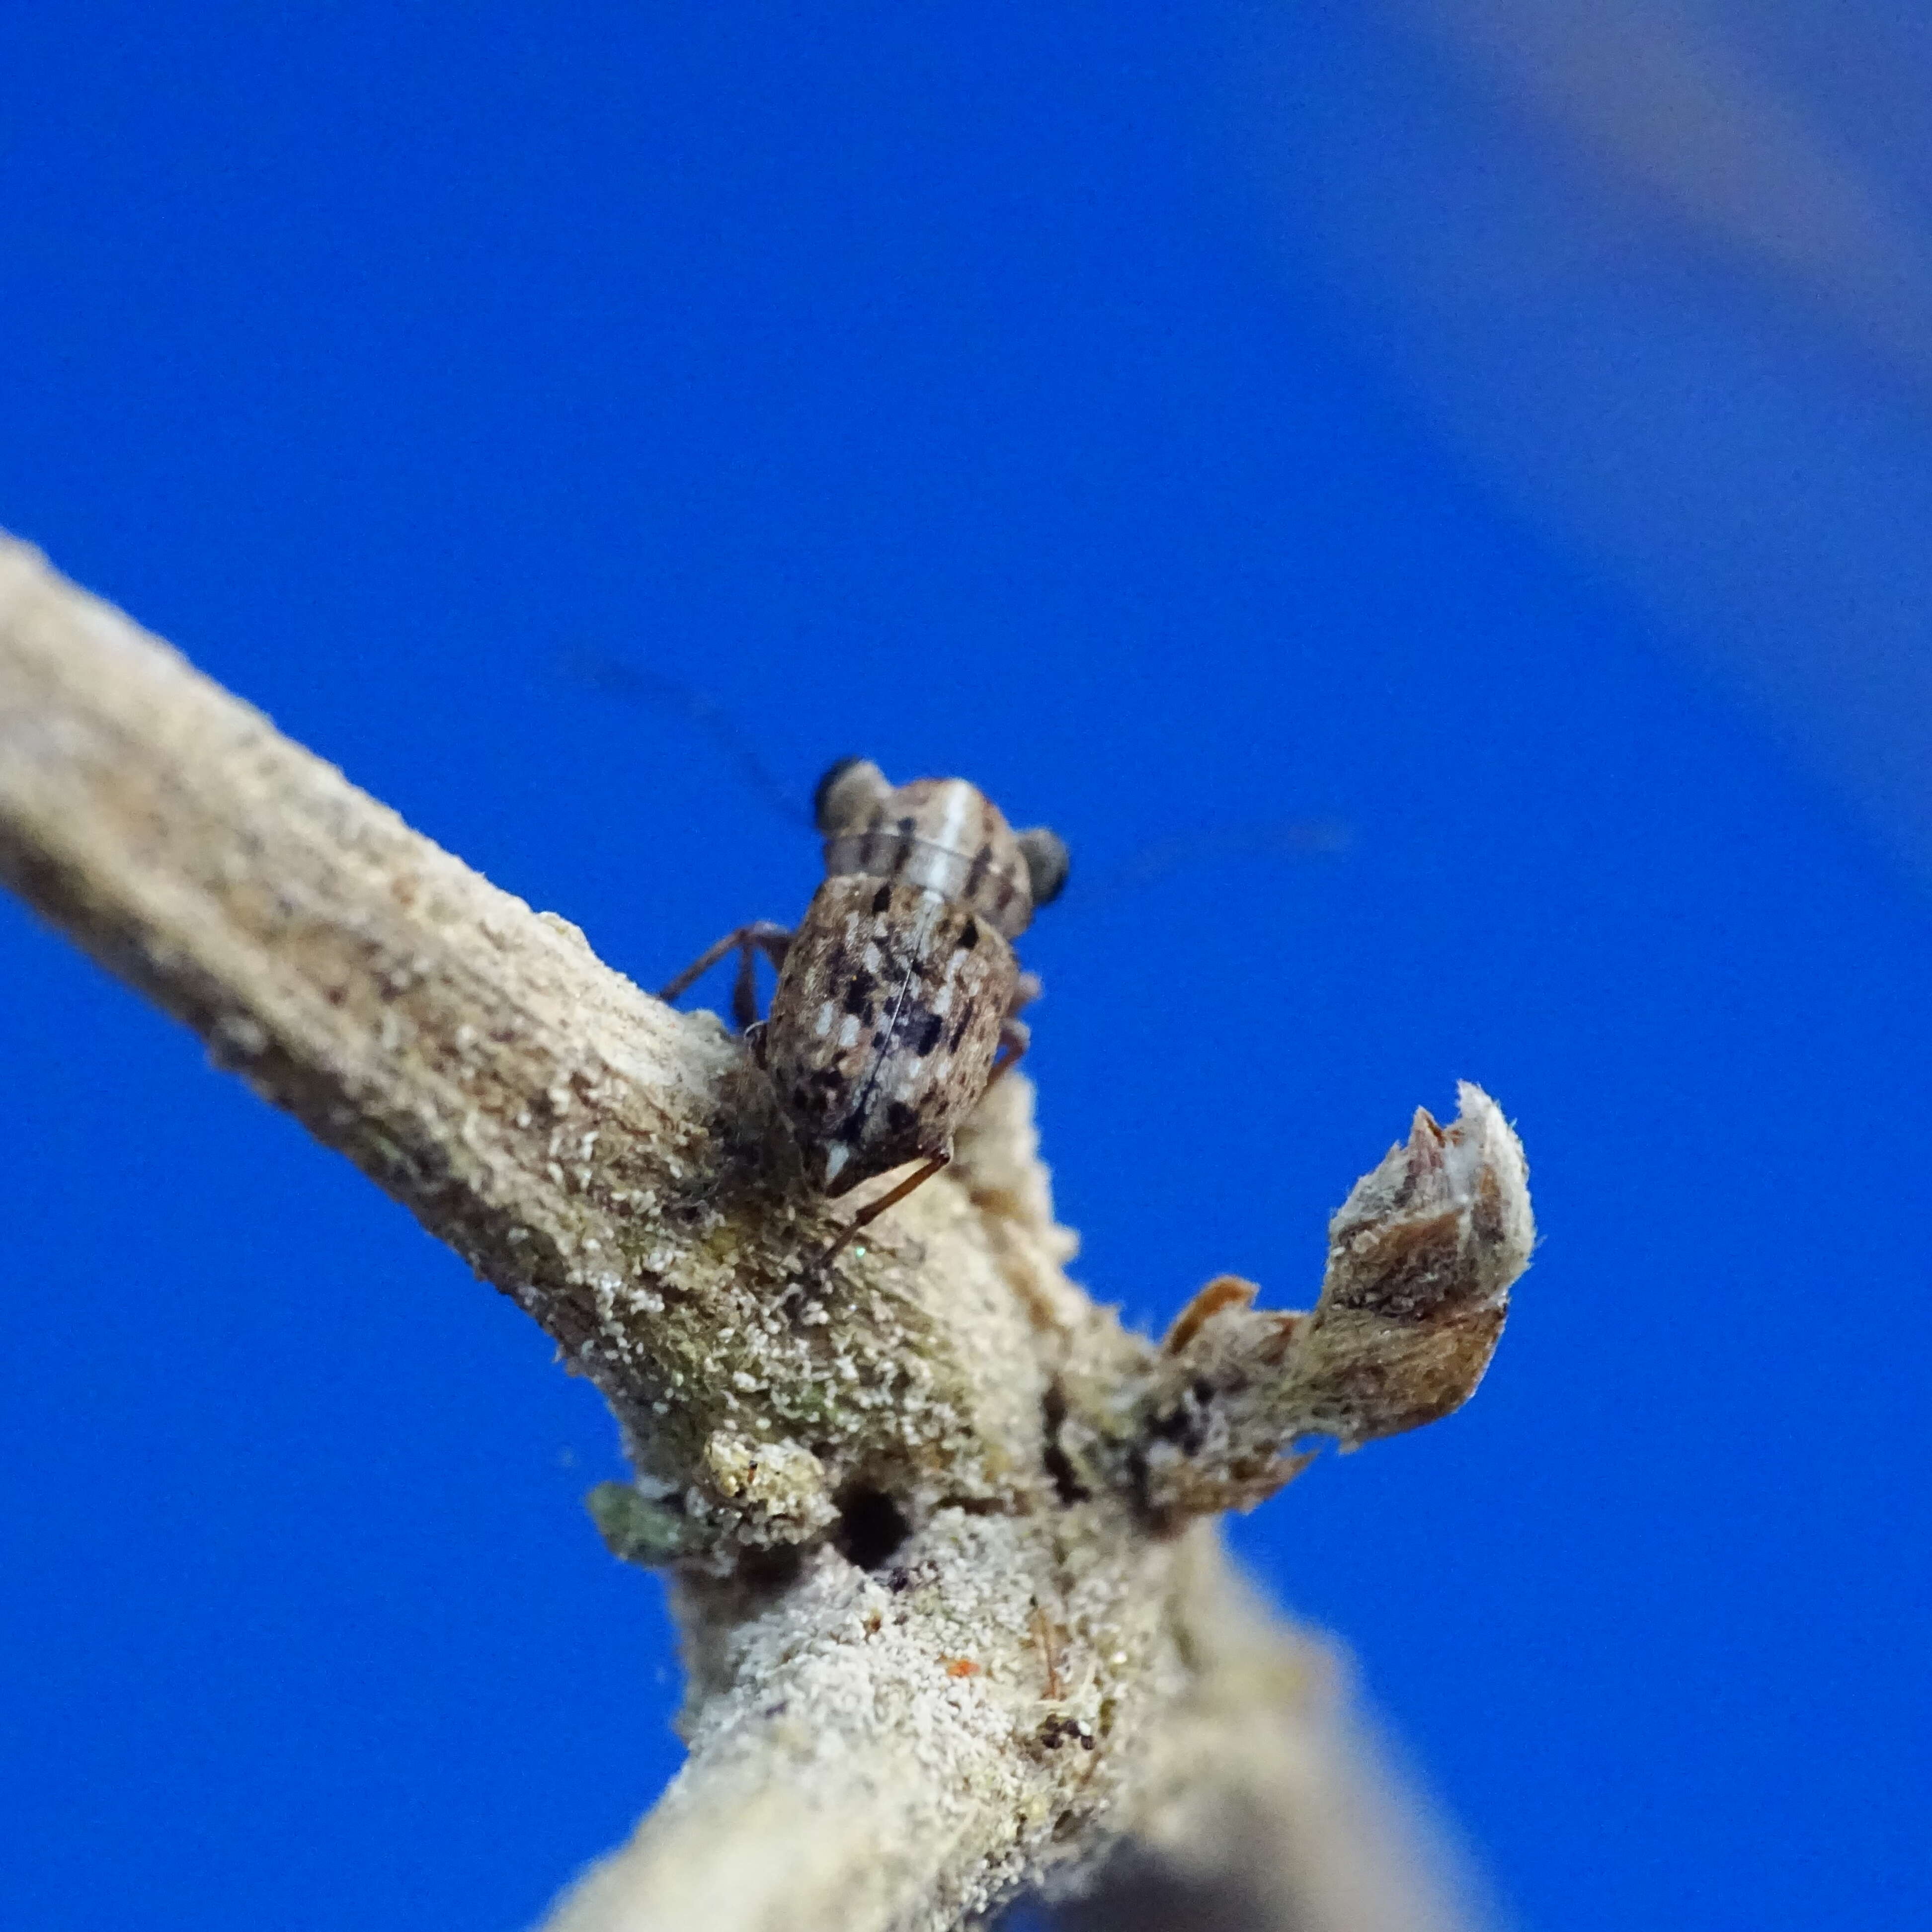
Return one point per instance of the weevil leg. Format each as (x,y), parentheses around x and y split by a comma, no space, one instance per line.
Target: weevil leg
(1015,1037)
(761,936)
(891,1198)
(745,987)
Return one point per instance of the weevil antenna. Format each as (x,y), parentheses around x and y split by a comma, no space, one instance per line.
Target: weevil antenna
(1291,838)
(616,679)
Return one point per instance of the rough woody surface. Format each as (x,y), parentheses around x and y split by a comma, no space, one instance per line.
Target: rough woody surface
(939,1531)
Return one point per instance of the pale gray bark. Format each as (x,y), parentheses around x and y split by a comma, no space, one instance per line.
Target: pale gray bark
(939,1531)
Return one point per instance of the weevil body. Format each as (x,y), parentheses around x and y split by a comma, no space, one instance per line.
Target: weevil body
(899,994)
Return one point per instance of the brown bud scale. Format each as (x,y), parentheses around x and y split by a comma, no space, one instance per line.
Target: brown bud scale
(1421,1259)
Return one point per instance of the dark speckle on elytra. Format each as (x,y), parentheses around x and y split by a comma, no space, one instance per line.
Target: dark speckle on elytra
(969,937)
(882,899)
(930,1034)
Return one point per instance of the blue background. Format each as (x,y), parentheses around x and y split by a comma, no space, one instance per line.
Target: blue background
(1207,428)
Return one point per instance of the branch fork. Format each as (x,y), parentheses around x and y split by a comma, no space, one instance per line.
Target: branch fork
(939,1531)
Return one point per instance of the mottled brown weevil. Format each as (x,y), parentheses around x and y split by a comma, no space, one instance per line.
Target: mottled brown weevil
(899,995)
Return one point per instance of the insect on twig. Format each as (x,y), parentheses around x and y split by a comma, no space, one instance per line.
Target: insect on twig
(899,995)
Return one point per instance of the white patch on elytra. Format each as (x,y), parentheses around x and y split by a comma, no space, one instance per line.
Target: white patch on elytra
(837,1153)
(822,1025)
(958,797)
(848,1034)
(874,958)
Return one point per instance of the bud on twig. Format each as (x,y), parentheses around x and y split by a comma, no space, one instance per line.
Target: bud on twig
(1421,1259)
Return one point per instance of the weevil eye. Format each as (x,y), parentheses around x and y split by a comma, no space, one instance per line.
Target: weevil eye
(1046,863)
(843,793)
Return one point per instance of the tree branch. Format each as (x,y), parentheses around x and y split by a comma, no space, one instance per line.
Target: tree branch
(1267,1806)
(603,1160)
(926,1510)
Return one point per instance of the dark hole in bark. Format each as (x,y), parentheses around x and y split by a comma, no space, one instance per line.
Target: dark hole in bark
(1065,1479)
(772,1570)
(871,1527)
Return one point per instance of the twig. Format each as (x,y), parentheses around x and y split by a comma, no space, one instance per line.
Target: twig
(932,1517)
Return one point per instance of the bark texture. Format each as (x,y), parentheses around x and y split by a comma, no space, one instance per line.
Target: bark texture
(939,1532)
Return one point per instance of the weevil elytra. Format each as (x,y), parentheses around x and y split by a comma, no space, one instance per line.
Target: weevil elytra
(899,995)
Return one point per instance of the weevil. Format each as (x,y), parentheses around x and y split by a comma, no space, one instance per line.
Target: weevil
(899,995)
